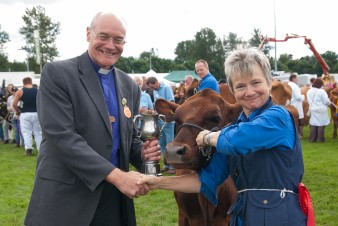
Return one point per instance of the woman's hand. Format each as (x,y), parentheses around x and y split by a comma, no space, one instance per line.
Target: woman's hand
(207,138)
(201,138)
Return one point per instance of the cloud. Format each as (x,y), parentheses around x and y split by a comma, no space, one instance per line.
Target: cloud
(28,2)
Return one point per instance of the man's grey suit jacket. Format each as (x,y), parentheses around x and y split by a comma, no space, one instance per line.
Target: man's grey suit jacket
(75,152)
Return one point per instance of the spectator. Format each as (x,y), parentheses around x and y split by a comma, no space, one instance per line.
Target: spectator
(207,79)
(188,80)
(146,105)
(3,114)
(180,95)
(13,116)
(7,127)
(86,108)
(29,122)
(311,81)
(146,89)
(318,106)
(296,97)
(163,90)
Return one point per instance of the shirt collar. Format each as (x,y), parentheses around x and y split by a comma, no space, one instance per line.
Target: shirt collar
(99,70)
(243,118)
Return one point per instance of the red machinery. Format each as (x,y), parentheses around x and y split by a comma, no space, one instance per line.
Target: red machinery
(307,42)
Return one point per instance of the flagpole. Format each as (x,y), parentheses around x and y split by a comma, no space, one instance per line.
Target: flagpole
(274,13)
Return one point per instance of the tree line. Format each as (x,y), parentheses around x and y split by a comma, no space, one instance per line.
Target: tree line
(204,45)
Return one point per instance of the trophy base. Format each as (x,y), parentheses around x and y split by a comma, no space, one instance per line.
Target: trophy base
(151,168)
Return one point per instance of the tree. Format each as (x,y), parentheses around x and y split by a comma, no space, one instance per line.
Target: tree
(183,51)
(4,38)
(209,47)
(232,42)
(36,20)
(255,40)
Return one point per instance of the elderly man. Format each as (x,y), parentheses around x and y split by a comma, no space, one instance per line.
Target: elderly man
(188,80)
(86,107)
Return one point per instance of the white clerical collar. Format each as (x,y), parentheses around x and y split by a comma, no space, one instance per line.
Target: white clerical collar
(104,71)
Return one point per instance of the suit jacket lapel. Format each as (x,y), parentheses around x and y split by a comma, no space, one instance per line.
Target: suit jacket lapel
(93,87)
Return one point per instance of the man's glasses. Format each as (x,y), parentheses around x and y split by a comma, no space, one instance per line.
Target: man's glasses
(105,39)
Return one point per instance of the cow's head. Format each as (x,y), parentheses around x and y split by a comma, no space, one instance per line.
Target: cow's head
(334,99)
(204,110)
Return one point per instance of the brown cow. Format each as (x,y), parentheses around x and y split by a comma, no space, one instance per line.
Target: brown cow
(281,92)
(208,110)
(334,114)
(223,87)
(304,121)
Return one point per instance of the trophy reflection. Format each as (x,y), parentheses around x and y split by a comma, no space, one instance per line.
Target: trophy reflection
(148,128)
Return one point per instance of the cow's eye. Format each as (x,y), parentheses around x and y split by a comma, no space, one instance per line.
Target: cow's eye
(215,119)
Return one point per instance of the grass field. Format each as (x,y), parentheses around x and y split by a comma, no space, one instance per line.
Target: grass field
(159,208)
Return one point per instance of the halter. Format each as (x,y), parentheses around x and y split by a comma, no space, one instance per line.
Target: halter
(206,151)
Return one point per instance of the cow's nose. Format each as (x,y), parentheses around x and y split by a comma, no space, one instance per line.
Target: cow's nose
(174,153)
(175,149)
(180,150)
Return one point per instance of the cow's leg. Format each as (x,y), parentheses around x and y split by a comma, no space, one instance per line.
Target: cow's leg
(189,209)
(334,135)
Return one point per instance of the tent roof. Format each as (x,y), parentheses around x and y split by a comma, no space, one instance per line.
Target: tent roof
(179,76)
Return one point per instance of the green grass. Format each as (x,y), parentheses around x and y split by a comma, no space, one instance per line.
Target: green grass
(159,208)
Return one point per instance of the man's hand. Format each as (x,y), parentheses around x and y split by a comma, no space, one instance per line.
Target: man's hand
(126,182)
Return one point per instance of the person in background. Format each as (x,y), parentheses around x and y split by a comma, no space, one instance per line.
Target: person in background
(6,126)
(207,79)
(86,107)
(146,89)
(146,105)
(188,80)
(318,106)
(13,116)
(180,95)
(311,81)
(3,114)
(163,90)
(261,150)
(29,122)
(296,97)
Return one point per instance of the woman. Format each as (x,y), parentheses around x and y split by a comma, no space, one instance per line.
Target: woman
(260,150)
(318,106)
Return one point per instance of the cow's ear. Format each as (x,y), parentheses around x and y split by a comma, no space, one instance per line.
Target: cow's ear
(166,108)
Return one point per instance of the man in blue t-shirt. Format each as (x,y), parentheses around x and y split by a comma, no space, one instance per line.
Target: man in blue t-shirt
(207,79)
(163,90)
(146,104)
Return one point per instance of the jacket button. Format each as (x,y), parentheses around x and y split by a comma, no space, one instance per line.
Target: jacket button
(265,201)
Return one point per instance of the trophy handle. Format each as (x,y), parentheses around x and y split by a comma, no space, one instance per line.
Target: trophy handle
(136,121)
(160,116)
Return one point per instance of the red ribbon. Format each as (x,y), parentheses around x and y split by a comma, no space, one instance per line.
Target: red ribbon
(305,203)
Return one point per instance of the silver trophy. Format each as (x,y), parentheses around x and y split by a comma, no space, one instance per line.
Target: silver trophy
(148,128)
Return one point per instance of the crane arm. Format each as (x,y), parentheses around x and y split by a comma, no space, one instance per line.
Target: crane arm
(307,42)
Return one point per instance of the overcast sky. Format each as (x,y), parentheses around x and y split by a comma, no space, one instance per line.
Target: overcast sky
(163,24)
